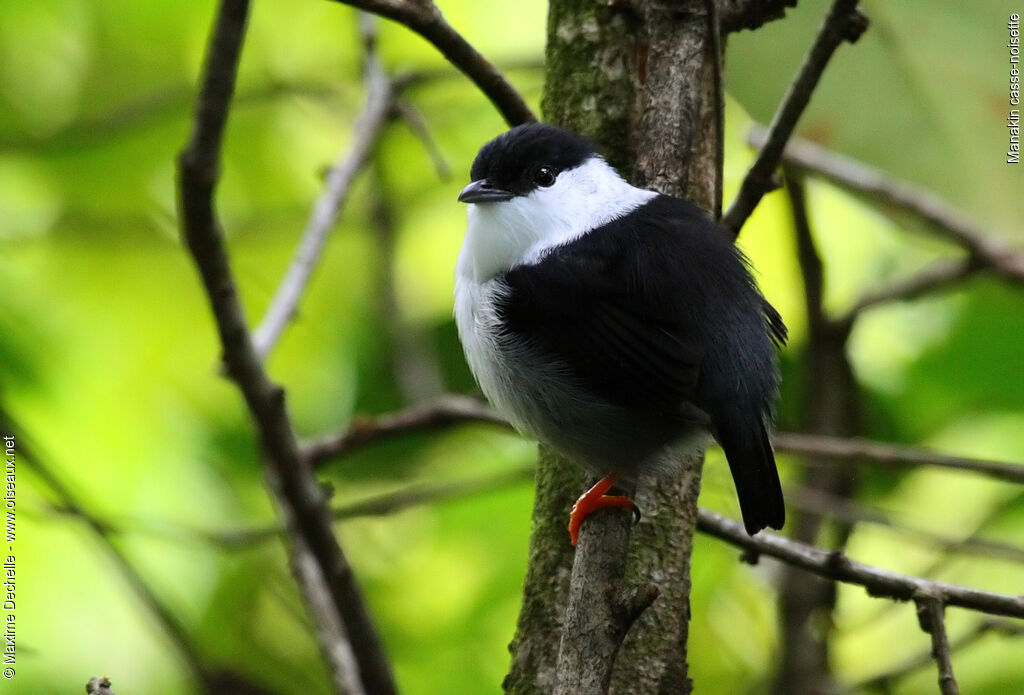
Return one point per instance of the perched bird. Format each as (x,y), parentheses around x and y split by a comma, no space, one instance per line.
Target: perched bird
(618,325)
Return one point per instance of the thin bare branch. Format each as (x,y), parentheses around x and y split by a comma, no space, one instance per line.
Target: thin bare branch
(944,221)
(424,18)
(837,566)
(830,405)
(384,504)
(369,125)
(300,498)
(824,504)
(824,563)
(938,275)
(332,633)
(418,125)
(812,270)
(853,449)
(844,22)
(750,14)
(456,409)
(379,505)
(717,49)
(884,681)
(931,616)
(427,75)
(440,412)
(1001,510)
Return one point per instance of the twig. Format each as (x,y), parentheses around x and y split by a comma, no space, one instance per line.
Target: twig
(143,111)
(851,449)
(1005,507)
(300,498)
(383,504)
(938,275)
(883,681)
(369,125)
(812,270)
(411,79)
(931,617)
(824,504)
(418,125)
(413,357)
(830,405)
(336,644)
(424,18)
(379,505)
(440,412)
(831,565)
(939,216)
(715,46)
(382,104)
(837,566)
(456,409)
(843,22)
(750,14)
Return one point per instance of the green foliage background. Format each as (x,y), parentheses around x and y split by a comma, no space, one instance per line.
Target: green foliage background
(108,358)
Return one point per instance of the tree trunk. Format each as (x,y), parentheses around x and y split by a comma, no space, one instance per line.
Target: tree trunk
(642,82)
(831,406)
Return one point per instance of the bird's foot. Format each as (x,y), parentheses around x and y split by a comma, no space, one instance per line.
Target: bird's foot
(594,499)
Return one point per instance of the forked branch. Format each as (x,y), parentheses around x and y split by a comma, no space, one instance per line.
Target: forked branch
(844,22)
(424,18)
(347,635)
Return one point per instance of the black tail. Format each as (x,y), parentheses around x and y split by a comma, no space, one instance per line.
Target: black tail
(752,463)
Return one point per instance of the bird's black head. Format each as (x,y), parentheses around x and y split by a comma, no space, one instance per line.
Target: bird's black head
(528,157)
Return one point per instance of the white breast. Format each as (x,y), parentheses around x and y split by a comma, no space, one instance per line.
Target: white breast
(478,324)
(521,230)
(537,395)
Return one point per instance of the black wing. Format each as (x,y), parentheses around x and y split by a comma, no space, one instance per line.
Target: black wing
(659,311)
(615,307)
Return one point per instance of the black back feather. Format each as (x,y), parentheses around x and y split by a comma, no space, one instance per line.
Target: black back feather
(657,310)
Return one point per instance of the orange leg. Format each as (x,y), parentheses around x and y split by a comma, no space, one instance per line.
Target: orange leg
(594,499)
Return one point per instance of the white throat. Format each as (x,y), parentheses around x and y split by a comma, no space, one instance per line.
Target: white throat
(522,230)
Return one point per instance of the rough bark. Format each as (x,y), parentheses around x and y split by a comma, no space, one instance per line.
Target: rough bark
(590,73)
(653,657)
(590,66)
(639,79)
(535,646)
(596,617)
(676,134)
(677,140)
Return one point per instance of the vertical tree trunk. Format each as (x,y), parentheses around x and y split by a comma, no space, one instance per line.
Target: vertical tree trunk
(641,80)
(831,406)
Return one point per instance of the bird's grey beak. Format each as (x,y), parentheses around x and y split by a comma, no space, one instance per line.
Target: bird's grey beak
(483,191)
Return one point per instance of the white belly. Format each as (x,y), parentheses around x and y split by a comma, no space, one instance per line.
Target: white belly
(494,369)
(541,398)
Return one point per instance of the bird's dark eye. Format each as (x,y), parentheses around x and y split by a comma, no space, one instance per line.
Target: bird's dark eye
(545,176)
